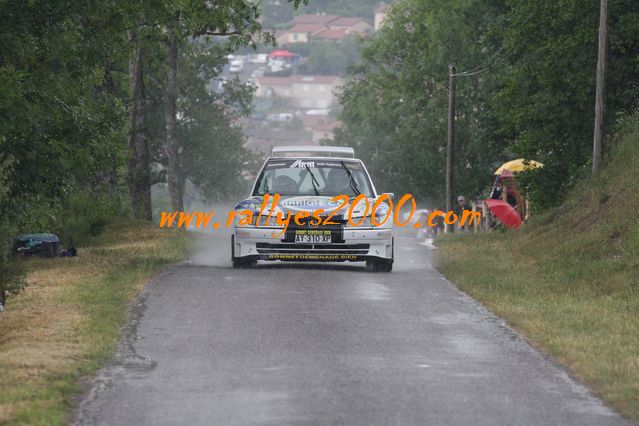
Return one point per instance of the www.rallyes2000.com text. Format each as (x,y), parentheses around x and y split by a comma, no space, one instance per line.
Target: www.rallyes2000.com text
(320,217)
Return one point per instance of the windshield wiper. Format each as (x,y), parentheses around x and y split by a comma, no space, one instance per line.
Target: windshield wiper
(353,184)
(313,180)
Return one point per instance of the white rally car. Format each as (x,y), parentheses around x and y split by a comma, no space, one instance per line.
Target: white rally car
(307,179)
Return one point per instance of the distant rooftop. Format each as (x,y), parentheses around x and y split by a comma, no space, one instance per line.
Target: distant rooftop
(311,79)
(314,19)
(318,122)
(346,21)
(306,28)
(332,34)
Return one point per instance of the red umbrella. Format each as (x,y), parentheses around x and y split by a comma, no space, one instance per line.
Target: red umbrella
(281,53)
(504,211)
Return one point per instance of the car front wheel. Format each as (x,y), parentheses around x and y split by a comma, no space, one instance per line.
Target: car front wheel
(244,263)
(381,265)
(240,262)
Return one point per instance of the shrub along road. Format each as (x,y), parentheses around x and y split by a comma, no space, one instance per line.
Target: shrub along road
(569,279)
(284,344)
(66,323)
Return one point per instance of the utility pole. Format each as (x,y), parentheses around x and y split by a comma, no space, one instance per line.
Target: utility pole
(601,86)
(450,149)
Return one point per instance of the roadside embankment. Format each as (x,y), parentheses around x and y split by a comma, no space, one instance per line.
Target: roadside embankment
(569,279)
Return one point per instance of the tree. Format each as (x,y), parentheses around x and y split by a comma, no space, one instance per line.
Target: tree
(533,95)
(236,20)
(328,57)
(395,107)
(545,101)
(62,80)
(211,154)
(174,178)
(64,121)
(363,8)
(139,179)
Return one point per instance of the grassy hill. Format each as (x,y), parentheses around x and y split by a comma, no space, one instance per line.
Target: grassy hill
(569,279)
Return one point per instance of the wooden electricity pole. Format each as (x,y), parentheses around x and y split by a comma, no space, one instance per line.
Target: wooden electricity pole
(601,86)
(450,149)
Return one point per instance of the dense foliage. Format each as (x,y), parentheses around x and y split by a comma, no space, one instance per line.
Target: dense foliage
(328,57)
(395,107)
(526,90)
(77,80)
(545,102)
(363,8)
(276,12)
(212,154)
(62,113)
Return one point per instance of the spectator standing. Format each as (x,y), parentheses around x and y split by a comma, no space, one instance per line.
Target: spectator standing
(459,211)
(512,196)
(497,190)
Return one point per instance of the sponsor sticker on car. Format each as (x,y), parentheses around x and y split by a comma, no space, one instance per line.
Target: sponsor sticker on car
(302,256)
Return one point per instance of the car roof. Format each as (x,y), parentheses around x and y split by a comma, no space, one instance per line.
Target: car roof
(313,151)
(302,157)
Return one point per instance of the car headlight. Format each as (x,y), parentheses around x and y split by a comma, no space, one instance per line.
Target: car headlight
(265,220)
(366,222)
(240,218)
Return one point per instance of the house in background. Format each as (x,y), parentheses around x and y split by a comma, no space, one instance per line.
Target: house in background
(301,33)
(268,87)
(381,13)
(306,28)
(309,91)
(281,37)
(318,19)
(304,91)
(331,35)
(320,127)
(354,25)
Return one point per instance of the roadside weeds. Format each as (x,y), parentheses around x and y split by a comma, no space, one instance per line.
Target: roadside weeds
(67,322)
(569,278)
(582,313)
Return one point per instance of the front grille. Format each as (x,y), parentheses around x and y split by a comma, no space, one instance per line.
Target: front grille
(267,248)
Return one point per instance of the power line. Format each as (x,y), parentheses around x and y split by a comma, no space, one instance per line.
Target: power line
(469,73)
(481,68)
(450,146)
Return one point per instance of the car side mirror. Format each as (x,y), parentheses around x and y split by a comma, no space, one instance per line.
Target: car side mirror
(391,195)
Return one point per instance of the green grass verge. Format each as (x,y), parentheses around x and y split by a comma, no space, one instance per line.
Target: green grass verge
(67,322)
(569,280)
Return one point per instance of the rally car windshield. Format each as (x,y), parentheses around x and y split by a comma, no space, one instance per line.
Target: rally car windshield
(313,177)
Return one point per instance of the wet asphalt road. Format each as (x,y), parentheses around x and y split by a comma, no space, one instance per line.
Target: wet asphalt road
(316,344)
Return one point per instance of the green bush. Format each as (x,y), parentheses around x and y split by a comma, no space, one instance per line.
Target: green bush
(76,219)
(83,216)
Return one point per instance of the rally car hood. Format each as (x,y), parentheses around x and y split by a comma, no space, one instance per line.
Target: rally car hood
(309,203)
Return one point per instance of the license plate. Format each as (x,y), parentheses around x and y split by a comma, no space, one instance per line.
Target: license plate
(312,236)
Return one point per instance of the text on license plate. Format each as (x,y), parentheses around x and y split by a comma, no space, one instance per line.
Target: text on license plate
(312,236)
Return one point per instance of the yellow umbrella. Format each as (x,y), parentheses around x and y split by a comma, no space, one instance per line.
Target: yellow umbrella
(518,165)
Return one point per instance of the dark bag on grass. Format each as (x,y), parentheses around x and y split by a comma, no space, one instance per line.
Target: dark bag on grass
(41,245)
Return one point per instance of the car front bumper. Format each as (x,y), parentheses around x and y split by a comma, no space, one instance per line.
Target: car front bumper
(351,244)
